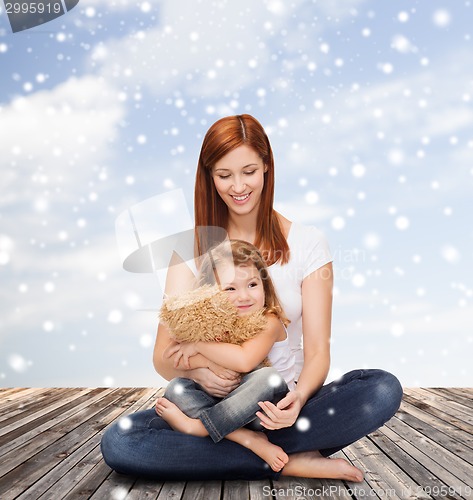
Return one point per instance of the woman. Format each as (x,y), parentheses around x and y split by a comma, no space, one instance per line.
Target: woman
(234,189)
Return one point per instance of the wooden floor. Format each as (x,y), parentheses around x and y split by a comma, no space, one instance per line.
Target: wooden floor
(49,448)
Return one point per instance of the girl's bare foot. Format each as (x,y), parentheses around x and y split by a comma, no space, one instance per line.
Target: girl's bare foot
(258,443)
(178,420)
(312,464)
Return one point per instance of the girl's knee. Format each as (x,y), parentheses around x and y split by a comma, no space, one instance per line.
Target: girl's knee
(176,389)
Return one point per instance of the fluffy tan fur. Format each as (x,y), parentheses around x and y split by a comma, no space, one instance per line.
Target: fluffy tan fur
(206,314)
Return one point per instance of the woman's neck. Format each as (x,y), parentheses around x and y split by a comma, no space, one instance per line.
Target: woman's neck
(242,227)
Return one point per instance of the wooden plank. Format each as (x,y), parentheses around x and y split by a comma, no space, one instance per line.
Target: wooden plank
(236,490)
(448,443)
(202,490)
(31,405)
(258,489)
(43,411)
(29,448)
(74,468)
(359,490)
(452,395)
(33,466)
(424,456)
(114,486)
(145,489)
(85,489)
(7,391)
(16,397)
(288,487)
(93,469)
(383,475)
(440,414)
(465,438)
(466,391)
(15,440)
(460,468)
(299,487)
(423,478)
(450,407)
(172,490)
(425,448)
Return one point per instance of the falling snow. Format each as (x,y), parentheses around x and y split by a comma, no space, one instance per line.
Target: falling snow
(369,114)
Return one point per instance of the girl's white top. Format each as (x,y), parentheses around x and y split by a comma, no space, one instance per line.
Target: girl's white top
(283,361)
(309,251)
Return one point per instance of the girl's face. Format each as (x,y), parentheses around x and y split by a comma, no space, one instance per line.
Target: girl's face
(244,287)
(239,179)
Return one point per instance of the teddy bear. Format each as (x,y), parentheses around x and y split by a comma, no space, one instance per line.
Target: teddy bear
(206,314)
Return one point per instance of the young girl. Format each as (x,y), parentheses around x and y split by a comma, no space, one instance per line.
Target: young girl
(240,270)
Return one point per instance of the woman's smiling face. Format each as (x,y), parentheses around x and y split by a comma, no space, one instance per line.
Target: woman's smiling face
(239,179)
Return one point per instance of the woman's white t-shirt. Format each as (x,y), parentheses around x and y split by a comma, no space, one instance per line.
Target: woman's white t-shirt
(283,361)
(309,250)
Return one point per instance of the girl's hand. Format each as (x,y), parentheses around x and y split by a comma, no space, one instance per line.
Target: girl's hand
(183,350)
(284,414)
(223,372)
(213,384)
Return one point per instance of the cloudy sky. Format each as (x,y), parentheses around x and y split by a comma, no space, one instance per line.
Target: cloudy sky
(369,109)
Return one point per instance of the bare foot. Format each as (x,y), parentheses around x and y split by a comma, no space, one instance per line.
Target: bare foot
(178,420)
(258,443)
(312,464)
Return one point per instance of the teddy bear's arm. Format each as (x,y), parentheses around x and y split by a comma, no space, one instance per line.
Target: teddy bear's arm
(247,356)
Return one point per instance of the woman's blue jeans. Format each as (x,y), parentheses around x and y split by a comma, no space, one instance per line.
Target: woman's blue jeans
(340,413)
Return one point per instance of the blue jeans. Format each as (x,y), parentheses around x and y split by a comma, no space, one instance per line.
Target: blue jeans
(238,409)
(337,415)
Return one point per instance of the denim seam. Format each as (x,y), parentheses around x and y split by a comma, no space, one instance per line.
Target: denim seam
(211,429)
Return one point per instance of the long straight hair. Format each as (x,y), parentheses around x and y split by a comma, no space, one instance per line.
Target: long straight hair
(224,136)
(241,253)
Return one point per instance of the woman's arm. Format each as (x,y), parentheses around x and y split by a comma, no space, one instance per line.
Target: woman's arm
(317,291)
(316,329)
(179,279)
(241,358)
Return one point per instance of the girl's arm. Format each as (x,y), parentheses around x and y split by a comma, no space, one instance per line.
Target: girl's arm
(316,328)
(241,358)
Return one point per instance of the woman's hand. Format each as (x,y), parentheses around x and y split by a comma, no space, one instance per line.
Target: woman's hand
(179,350)
(223,372)
(284,414)
(213,384)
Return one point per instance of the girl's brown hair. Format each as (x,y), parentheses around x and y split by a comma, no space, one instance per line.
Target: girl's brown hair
(241,253)
(224,136)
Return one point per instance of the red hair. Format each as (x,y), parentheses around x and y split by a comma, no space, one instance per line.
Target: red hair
(224,136)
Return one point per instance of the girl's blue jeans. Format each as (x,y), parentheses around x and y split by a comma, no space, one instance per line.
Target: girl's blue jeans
(340,413)
(222,416)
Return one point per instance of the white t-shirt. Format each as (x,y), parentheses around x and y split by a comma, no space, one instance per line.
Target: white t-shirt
(309,251)
(283,361)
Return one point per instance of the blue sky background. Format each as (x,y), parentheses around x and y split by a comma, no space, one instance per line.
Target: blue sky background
(369,109)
